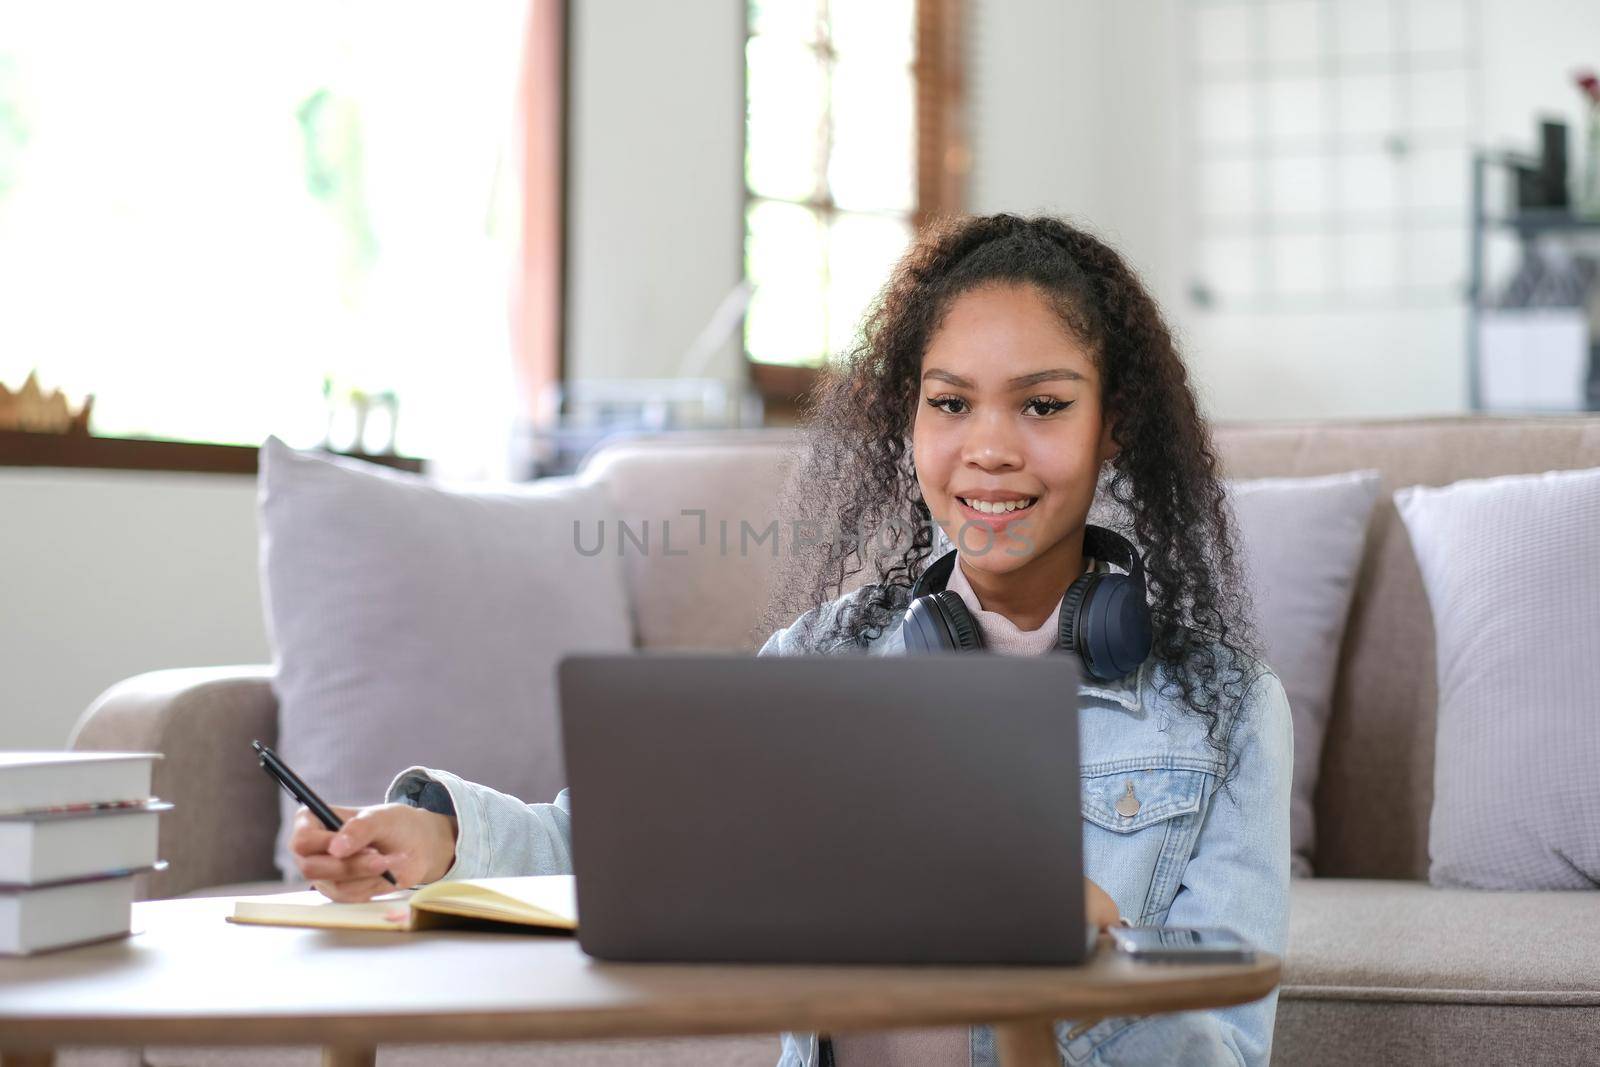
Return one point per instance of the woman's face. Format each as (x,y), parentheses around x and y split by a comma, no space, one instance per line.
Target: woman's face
(1009,417)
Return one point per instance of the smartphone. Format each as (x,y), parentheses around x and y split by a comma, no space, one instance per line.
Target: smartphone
(1181,944)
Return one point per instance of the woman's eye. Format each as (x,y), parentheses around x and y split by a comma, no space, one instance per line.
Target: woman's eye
(940,402)
(1043,405)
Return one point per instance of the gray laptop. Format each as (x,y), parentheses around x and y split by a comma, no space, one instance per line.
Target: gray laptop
(828,809)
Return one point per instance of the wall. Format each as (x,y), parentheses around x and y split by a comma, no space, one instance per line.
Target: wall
(1034,93)
(1121,164)
(106,574)
(655,183)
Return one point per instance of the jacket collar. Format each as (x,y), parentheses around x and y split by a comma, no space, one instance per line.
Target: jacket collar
(1124,691)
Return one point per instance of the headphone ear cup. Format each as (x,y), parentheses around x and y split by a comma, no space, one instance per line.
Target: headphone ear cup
(1114,628)
(1069,621)
(940,622)
(963,627)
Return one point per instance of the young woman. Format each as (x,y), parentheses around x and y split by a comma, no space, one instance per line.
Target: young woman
(1015,375)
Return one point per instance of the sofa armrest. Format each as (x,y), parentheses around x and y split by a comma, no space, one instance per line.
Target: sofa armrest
(202,720)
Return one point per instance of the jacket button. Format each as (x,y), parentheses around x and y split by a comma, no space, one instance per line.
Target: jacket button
(1128,805)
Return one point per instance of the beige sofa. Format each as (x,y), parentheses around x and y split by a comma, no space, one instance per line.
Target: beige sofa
(1381,967)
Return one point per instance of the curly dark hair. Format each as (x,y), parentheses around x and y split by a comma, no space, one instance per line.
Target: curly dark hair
(1163,488)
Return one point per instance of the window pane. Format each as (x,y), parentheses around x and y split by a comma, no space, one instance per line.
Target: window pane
(1299,264)
(786,322)
(1369,263)
(1230,266)
(1365,27)
(1368,182)
(1442,24)
(203,245)
(1437,257)
(1297,185)
(1366,104)
(784,95)
(842,129)
(1440,99)
(1226,35)
(1295,110)
(795,20)
(876,30)
(1227,112)
(861,251)
(874,128)
(1228,189)
(1293,31)
(1440,178)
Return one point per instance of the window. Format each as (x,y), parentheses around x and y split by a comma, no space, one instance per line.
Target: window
(836,176)
(209,213)
(1331,143)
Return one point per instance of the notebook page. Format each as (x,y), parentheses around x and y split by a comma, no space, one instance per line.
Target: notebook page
(541,900)
(311,908)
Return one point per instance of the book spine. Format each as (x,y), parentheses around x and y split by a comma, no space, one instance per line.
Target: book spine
(98,876)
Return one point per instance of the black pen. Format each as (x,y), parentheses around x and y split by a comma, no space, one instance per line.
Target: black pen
(302,792)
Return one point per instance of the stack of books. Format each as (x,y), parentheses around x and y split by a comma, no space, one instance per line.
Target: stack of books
(75,828)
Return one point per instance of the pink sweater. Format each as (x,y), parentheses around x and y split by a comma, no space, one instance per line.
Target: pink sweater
(948,1046)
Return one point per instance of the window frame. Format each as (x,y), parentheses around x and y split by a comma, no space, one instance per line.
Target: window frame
(25,448)
(942,161)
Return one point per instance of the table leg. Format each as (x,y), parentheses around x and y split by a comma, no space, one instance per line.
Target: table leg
(1027,1043)
(34,1058)
(342,1056)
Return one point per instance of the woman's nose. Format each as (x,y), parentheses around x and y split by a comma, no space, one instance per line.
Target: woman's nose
(991,444)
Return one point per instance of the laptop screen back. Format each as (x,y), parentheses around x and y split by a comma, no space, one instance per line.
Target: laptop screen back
(828,809)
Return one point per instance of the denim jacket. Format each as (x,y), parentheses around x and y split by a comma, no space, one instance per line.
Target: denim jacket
(1189,855)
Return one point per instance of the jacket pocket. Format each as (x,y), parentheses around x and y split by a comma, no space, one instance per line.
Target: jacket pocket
(1140,826)
(1129,800)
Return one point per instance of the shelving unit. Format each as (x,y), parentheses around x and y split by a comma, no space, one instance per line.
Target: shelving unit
(1527,226)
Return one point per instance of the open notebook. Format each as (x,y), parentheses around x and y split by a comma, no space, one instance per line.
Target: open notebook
(545,901)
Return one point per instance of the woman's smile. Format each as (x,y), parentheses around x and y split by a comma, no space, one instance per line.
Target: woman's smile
(996,511)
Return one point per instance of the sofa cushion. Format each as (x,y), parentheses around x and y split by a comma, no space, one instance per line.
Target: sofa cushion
(1301,539)
(1375,790)
(1403,972)
(413,623)
(705,528)
(1372,940)
(1512,569)
(1362,1033)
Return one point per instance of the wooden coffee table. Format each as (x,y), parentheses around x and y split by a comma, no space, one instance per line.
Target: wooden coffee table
(189,978)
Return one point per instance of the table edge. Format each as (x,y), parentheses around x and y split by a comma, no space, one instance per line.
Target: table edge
(627,1021)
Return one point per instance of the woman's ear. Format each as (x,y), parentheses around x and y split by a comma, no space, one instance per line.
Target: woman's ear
(1108,446)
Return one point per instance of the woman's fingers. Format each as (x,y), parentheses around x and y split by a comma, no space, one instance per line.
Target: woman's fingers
(365,864)
(411,844)
(1100,910)
(353,892)
(310,842)
(309,836)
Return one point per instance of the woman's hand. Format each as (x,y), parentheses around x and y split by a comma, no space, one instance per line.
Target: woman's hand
(1098,906)
(414,845)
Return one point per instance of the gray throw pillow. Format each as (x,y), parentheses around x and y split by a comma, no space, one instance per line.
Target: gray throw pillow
(413,623)
(1512,570)
(1301,539)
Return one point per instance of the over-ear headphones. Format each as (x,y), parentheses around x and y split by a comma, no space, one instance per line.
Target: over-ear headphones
(1104,617)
